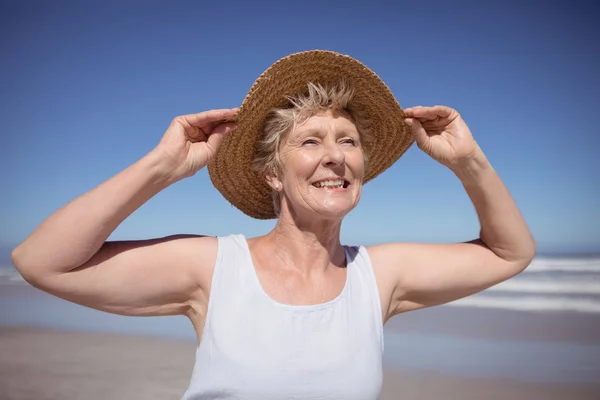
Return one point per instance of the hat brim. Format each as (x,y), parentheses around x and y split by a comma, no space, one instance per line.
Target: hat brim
(231,168)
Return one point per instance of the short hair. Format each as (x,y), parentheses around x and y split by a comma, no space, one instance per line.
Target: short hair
(281,121)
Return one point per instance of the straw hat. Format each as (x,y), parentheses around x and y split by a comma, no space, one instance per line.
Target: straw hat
(231,168)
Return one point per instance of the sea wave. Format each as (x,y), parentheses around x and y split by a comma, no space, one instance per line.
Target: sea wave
(546,264)
(559,287)
(540,303)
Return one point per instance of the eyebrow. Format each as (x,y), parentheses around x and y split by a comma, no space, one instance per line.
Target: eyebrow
(319,132)
(309,132)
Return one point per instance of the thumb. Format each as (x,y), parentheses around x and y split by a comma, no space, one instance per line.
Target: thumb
(418,131)
(216,136)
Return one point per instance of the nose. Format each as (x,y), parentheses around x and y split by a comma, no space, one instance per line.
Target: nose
(334,155)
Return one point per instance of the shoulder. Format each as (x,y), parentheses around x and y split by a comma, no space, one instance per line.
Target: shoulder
(208,249)
(198,255)
(375,254)
(380,253)
(394,252)
(202,254)
(392,260)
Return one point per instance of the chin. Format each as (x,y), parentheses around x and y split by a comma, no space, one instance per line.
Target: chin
(335,210)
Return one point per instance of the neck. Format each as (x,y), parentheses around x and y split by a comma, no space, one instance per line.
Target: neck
(307,246)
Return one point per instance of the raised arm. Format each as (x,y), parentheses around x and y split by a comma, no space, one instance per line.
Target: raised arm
(68,254)
(421,275)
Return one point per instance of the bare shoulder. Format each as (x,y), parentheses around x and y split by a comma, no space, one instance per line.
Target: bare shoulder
(390,260)
(385,274)
(389,257)
(199,253)
(197,256)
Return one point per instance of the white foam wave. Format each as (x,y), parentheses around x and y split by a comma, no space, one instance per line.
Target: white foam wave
(531,286)
(544,264)
(540,303)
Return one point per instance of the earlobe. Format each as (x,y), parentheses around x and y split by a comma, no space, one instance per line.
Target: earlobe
(274,183)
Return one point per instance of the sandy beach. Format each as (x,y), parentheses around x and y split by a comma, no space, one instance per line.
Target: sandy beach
(45,364)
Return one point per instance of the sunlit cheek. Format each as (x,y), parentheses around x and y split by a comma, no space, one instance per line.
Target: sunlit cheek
(357,162)
(308,159)
(305,165)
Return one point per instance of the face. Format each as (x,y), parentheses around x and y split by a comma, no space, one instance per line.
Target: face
(323,166)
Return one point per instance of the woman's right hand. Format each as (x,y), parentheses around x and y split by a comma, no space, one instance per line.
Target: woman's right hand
(191,141)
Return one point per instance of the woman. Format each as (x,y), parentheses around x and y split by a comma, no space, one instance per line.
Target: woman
(293,313)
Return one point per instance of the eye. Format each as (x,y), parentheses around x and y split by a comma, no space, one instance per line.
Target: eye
(309,142)
(349,141)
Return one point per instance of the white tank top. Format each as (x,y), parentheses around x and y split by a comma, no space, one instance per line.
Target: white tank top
(254,348)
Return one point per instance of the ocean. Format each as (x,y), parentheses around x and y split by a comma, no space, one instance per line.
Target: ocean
(548,284)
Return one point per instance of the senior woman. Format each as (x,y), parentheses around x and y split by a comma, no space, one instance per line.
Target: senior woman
(293,313)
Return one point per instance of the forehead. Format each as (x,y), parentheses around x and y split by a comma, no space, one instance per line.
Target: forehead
(325,121)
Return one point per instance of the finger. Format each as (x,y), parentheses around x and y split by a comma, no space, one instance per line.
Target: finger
(417,130)
(217,135)
(223,128)
(196,134)
(210,127)
(202,134)
(208,117)
(428,113)
(418,112)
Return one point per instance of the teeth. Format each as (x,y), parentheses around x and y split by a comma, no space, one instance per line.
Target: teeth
(333,184)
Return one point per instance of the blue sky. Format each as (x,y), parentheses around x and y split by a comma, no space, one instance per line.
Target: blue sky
(86,90)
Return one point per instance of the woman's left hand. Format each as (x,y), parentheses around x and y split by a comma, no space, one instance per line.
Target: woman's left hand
(441,132)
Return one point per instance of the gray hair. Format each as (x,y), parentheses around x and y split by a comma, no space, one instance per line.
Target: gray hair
(282,121)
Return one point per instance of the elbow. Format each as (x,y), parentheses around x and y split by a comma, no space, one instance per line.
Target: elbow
(527,254)
(531,250)
(17,258)
(519,253)
(518,256)
(24,267)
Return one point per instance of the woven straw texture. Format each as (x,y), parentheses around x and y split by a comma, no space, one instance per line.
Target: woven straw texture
(231,169)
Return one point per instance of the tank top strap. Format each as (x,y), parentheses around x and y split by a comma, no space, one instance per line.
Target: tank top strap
(230,276)
(363,278)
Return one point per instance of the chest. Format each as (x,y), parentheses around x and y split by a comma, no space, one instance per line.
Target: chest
(286,287)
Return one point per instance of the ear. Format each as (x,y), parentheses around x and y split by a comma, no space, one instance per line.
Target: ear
(274,182)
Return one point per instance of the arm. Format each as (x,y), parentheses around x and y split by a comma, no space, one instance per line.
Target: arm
(68,255)
(424,275)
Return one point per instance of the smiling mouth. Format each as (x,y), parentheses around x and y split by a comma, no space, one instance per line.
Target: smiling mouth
(332,184)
